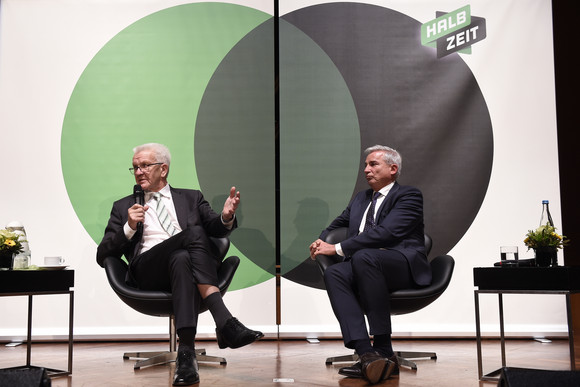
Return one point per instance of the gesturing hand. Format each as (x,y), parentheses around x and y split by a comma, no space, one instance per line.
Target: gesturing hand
(231,205)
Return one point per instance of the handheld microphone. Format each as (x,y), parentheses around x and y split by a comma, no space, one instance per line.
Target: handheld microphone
(139,196)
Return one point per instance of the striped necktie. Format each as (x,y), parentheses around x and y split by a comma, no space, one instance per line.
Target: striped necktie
(163,215)
(370,219)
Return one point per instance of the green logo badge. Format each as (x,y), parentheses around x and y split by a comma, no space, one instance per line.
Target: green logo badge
(453,32)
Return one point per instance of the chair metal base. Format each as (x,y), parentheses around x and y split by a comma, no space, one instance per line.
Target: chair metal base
(157,358)
(402,356)
(342,359)
(164,357)
(150,358)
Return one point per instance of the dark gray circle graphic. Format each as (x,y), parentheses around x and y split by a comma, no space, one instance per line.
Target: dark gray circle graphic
(431,110)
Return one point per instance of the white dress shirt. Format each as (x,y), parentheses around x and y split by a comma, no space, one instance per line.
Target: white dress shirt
(383,194)
(153,231)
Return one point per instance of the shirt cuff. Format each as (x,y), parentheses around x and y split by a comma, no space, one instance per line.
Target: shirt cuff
(129,232)
(338,248)
(229,224)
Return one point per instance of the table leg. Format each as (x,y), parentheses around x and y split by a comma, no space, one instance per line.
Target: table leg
(501,328)
(570,332)
(29,331)
(70,331)
(478,336)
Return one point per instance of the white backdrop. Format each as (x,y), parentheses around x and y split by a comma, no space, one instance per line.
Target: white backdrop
(45,46)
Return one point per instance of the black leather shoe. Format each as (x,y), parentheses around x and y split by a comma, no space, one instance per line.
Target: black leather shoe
(395,361)
(185,369)
(235,335)
(353,371)
(376,368)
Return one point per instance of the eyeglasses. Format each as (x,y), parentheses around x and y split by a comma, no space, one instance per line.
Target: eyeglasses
(143,167)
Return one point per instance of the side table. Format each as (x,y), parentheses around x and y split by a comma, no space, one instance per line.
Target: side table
(561,280)
(35,283)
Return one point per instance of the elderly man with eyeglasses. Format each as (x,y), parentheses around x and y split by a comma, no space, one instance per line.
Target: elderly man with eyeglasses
(172,252)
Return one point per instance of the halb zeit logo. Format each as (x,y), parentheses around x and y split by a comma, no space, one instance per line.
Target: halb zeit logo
(453,32)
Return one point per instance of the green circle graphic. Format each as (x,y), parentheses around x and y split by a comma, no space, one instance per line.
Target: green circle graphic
(146,85)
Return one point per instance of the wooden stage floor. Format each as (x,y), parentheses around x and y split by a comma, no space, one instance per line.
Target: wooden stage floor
(293,362)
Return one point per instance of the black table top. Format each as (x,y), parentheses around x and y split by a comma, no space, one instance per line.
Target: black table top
(22,281)
(527,278)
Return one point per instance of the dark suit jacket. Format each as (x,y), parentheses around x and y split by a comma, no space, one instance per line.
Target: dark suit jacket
(191,209)
(399,227)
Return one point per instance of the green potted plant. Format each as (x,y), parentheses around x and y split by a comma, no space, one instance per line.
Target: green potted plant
(545,241)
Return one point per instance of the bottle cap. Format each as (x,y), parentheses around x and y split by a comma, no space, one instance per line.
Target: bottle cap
(545,201)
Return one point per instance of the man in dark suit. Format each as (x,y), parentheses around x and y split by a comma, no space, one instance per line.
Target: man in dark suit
(167,246)
(384,251)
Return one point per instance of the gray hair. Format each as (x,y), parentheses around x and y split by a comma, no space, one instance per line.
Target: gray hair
(390,155)
(160,151)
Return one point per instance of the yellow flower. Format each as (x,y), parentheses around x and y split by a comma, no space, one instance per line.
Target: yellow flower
(10,242)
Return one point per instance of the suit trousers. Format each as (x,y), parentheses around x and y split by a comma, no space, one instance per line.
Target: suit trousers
(177,265)
(361,286)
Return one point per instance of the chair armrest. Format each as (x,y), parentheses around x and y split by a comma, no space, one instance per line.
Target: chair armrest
(334,236)
(324,261)
(337,235)
(226,272)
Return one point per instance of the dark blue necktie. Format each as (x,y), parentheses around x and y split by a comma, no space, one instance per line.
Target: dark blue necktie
(370,220)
